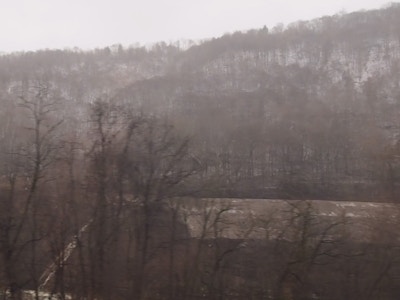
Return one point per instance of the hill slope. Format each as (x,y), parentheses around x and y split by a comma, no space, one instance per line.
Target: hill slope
(308,110)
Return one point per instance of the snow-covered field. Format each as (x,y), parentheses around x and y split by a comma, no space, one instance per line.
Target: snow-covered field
(271,219)
(31,295)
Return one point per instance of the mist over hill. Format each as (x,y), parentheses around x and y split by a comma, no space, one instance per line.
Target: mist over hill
(102,153)
(310,109)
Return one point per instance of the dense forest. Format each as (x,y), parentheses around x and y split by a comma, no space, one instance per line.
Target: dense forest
(98,150)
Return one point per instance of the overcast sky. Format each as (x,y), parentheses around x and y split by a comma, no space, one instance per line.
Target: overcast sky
(37,24)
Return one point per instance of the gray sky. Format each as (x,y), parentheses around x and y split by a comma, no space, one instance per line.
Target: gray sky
(37,24)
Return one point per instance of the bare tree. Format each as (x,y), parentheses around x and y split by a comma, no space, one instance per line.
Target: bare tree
(35,155)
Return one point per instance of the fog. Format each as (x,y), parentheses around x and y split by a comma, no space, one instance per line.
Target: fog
(39,24)
(260,163)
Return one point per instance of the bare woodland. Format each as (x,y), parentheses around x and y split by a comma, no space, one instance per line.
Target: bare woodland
(124,170)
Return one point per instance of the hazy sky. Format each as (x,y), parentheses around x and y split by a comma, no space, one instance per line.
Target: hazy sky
(38,24)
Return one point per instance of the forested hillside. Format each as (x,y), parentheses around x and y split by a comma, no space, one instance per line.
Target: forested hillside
(307,110)
(95,144)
